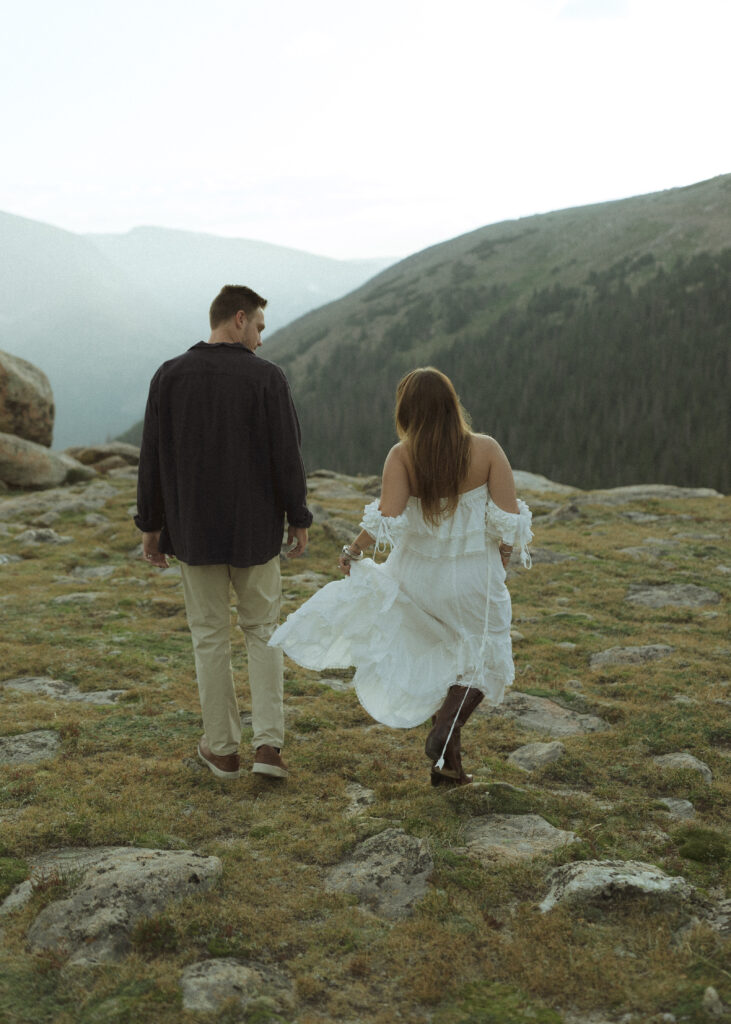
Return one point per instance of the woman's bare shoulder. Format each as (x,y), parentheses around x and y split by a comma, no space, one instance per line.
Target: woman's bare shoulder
(483,444)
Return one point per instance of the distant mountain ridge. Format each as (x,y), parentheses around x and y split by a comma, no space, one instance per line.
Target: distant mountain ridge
(99,313)
(593,342)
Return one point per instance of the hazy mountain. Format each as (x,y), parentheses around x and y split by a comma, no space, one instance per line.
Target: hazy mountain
(99,313)
(593,342)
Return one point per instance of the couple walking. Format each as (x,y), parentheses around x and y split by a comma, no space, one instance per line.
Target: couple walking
(428,629)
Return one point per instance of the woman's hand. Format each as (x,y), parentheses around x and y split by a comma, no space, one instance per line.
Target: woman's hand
(506,551)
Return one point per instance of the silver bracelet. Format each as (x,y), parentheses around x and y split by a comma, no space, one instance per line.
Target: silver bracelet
(350,556)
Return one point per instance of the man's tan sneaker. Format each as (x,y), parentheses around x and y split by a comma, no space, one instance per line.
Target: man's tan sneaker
(227,766)
(268,762)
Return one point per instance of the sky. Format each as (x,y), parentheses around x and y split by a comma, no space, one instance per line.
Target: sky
(353,130)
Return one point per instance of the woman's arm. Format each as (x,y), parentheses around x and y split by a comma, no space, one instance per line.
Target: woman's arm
(395,493)
(500,482)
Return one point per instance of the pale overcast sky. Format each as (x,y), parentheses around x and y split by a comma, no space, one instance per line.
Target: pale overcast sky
(371,129)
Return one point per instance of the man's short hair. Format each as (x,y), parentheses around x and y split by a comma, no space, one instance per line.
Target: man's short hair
(230,300)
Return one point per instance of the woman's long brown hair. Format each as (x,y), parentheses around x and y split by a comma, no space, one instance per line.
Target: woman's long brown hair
(434,427)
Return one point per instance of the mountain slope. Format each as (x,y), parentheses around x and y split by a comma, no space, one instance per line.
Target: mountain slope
(98,314)
(593,342)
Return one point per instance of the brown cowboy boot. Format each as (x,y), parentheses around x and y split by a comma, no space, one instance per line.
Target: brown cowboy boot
(446,715)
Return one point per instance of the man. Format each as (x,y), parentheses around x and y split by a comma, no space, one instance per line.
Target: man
(220,467)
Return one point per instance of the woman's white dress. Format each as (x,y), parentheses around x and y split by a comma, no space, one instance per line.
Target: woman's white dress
(435,613)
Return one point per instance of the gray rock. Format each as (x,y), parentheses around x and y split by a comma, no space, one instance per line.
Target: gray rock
(679,809)
(540,484)
(545,716)
(113,888)
(28,507)
(31,466)
(681,759)
(83,597)
(388,873)
(93,572)
(42,536)
(359,798)
(513,837)
(536,755)
(630,655)
(607,879)
(340,530)
(712,1005)
(42,686)
(339,685)
(26,401)
(9,559)
(544,556)
(682,595)
(334,489)
(29,747)
(308,579)
(91,455)
(207,985)
(643,492)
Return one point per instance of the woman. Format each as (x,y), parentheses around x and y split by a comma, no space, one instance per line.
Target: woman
(429,629)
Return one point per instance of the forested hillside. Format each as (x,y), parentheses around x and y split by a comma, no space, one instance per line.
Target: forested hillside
(594,343)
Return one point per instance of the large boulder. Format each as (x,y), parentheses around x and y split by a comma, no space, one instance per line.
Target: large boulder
(30,466)
(26,401)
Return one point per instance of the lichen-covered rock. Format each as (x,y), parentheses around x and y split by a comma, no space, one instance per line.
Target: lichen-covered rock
(29,747)
(679,595)
(113,888)
(546,716)
(591,880)
(513,837)
(388,873)
(208,984)
(28,465)
(26,401)
(535,755)
(42,686)
(630,655)
(92,455)
(682,759)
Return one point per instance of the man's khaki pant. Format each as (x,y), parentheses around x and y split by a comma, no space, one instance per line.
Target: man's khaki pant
(208,607)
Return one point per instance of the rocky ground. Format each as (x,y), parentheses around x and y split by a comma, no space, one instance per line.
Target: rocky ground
(582,878)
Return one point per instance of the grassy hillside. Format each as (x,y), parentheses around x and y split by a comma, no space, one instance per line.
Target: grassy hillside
(593,342)
(477,948)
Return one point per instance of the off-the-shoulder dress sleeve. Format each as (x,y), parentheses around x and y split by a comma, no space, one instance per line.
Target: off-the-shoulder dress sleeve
(385,530)
(511,527)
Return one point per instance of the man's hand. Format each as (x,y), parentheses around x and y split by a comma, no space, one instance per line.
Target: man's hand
(296,541)
(151,552)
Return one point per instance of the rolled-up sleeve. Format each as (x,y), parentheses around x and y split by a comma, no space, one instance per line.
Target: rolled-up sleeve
(150,507)
(288,470)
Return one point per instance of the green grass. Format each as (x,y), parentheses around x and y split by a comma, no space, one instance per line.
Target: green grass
(477,948)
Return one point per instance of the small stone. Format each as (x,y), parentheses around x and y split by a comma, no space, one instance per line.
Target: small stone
(516,635)
(513,837)
(95,572)
(680,809)
(387,872)
(600,880)
(42,536)
(567,645)
(29,747)
(680,595)
(359,798)
(712,1003)
(207,985)
(9,559)
(681,759)
(535,755)
(546,716)
(630,655)
(43,686)
(85,597)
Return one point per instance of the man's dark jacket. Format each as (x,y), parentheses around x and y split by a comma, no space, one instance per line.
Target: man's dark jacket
(220,464)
